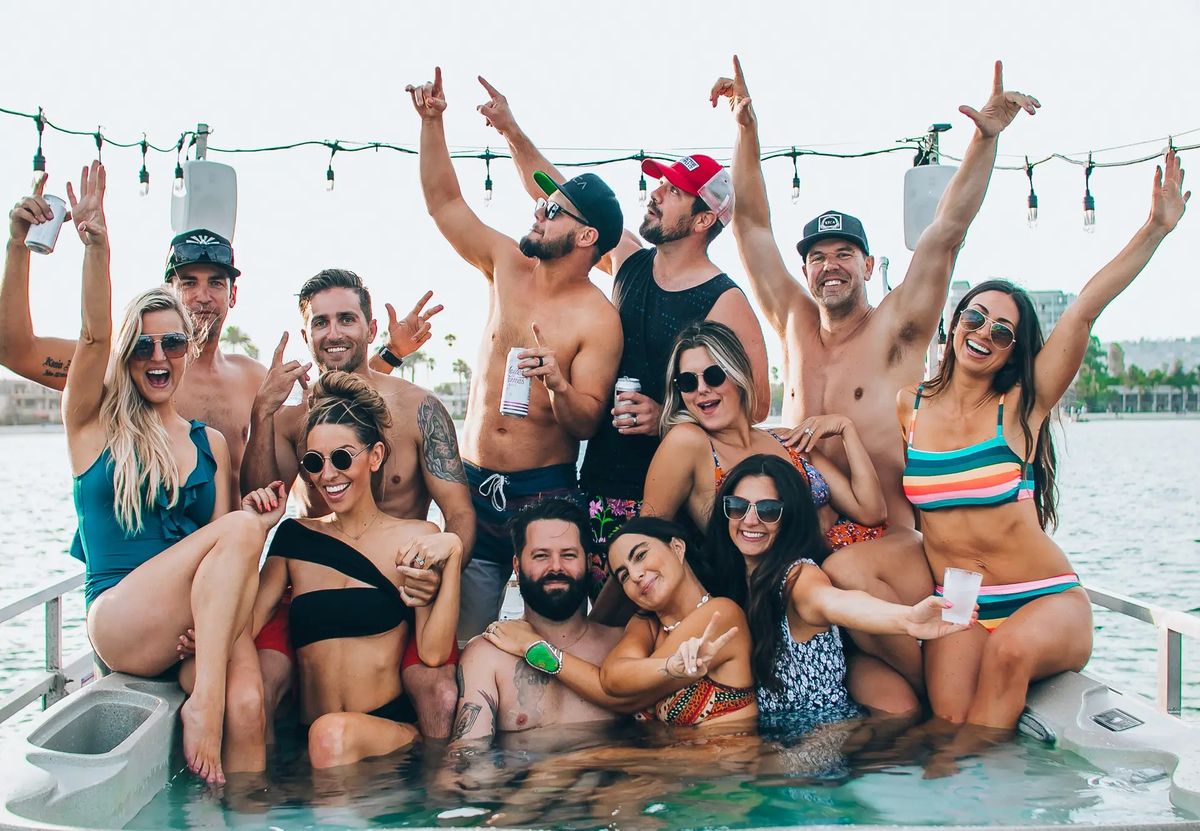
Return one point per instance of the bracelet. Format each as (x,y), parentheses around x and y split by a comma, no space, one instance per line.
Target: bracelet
(544,658)
(389,357)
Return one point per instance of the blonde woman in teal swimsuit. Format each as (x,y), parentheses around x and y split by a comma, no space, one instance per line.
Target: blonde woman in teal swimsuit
(980,470)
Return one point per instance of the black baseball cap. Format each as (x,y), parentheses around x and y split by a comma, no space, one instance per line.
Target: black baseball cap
(595,202)
(200,246)
(833,224)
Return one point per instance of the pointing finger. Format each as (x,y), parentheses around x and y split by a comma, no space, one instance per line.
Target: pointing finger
(998,79)
(391,313)
(437,79)
(737,70)
(712,622)
(39,182)
(278,359)
(537,334)
(491,90)
(420,303)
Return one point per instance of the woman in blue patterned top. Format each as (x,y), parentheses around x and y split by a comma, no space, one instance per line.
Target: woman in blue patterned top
(764,519)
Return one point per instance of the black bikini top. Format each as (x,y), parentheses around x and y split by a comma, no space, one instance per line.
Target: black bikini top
(337,613)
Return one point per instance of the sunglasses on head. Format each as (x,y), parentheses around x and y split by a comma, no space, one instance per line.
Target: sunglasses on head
(553,209)
(713,376)
(174,345)
(314,462)
(192,252)
(1002,335)
(769,510)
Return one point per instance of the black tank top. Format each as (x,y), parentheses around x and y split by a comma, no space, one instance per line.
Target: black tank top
(616,465)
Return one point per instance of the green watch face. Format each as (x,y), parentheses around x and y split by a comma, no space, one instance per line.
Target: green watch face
(541,657)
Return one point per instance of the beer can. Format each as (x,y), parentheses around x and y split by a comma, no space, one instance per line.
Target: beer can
(625,384)
(514,396)
(43,236)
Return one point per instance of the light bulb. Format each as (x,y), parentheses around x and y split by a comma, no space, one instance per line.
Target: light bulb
(1032,215)
(487,190)
(795,189)
(642,191)
(1089,214)
(329,178)
(144,181)
(177,188)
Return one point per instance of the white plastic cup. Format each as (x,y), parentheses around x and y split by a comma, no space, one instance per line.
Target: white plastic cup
(961,588)
(43,236)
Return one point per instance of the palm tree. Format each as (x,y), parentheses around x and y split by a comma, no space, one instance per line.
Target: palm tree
(450,338)
(462,370)
(234,338)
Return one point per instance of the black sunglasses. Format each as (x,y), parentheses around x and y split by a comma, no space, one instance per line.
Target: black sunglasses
(1002,335)
(174,345)
(769,510)
(714,376)
(553,209)
(191,252)
(314,462)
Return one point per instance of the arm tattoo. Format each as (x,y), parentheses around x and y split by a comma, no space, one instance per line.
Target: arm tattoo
(467,714)
(439,446)
(52,368)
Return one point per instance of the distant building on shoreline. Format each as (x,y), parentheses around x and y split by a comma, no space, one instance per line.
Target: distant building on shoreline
(24,402)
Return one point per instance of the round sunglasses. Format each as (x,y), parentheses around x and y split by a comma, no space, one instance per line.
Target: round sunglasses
(174,345)
(1002,335)
(713,376)
(769,510)
(314,462)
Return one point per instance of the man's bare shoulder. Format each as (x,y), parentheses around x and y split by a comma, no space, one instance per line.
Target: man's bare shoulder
(246,367)
(482,654)
(393,388)
(608,636)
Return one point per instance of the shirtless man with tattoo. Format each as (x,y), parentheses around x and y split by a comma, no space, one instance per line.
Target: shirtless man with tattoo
(543,669)
(842,355)
(424,465)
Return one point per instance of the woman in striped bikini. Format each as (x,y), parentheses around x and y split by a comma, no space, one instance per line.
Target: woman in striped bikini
(983,505)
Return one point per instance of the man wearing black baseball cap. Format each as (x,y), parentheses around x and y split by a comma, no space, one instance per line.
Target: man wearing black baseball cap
(566,334)
(842,355)
(658,291)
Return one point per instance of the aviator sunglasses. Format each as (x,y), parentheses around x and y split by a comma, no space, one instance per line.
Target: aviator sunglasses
(174,345)
(553,209)
(769,510)
(972,320)
(713,376)
(342,458)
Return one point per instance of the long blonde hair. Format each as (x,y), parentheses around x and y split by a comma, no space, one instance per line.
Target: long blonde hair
(143,464)
(727,352)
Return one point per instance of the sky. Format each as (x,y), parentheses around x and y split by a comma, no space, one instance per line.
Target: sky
(586,82)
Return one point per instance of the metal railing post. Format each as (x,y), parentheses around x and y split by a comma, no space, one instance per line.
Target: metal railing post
(54,662)
(1170,670)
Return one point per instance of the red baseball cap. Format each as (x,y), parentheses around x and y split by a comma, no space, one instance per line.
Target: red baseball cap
(701,176)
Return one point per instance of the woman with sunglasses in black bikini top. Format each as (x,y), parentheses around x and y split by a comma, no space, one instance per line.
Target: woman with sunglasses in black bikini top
(707,429)
(351,617)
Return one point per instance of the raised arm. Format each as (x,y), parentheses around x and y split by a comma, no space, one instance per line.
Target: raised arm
(271,451)
(917,303)
(442,469)
(528,159)
(857,496)
(85,379)
(42,360)
(475,242)
(478,694)
(778,293)
(1056,365)
(580,402)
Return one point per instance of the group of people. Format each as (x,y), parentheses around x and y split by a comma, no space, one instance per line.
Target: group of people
(697,569)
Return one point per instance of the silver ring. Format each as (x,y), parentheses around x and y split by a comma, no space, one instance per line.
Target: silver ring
(635,419)
(419,562)
(808,431)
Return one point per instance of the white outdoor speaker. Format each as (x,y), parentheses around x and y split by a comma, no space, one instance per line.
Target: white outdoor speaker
(923,188)
(208,200)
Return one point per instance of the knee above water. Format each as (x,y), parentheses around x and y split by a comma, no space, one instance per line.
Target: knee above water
(1007,657)
(327,740)
(244,708)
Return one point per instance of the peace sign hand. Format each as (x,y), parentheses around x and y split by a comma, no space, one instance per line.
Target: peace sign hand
(1001,108)
(88,208)
(541,363)
(1168,201)
(735,90)
(693,657)
(429,98)
(405,336)
(277,386)
(496,110)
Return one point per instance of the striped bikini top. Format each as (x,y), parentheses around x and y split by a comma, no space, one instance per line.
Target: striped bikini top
(987,473)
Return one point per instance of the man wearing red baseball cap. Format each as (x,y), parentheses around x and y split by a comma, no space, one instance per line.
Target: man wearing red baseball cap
(657,291)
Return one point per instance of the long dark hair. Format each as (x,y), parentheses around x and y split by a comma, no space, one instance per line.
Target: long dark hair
(799,536)
(723,578)
(1018,370)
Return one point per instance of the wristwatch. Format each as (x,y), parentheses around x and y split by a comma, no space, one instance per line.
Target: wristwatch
(544,658)
(389,357)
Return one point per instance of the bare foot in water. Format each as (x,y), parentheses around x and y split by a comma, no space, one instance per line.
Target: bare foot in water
(202,740)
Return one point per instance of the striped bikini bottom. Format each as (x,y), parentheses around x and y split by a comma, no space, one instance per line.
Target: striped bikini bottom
(998,603)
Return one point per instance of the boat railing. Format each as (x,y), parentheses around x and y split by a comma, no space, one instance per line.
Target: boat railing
(51,684)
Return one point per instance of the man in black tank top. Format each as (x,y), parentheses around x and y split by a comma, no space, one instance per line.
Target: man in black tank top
(657,291)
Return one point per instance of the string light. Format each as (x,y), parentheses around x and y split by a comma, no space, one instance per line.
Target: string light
(487,175)
(642,194)
(333,148)
(39,161)
(144,174)
(1032,201)
(795,179)
(1089,204)
(99,145)
(177,186)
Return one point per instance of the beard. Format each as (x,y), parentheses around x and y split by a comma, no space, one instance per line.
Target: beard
(654,232)
(353,360)
(543,250)
(556,605)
